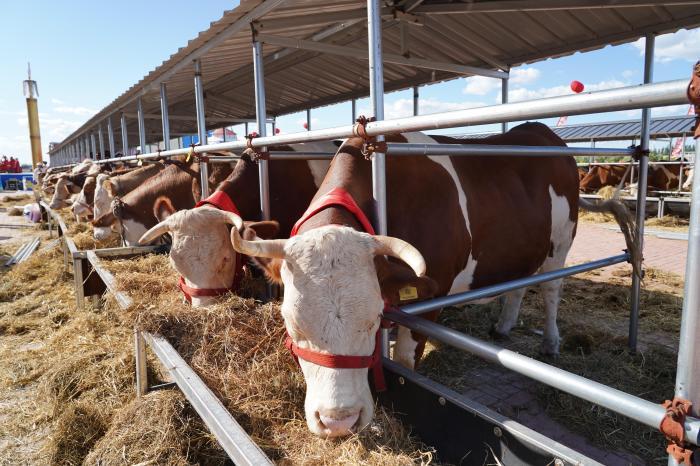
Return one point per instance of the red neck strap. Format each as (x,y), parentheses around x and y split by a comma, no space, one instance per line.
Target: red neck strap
(341,198)
(222,201)
(335,197)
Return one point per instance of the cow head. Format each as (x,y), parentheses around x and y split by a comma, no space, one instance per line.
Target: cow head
(82,206)
(201,250)
(62,192)
(332,304)
(103,195)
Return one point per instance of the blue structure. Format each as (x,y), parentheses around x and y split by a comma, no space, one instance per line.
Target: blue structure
(15,181)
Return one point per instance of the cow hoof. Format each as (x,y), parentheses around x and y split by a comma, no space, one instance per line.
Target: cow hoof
(550,348)
(498,336)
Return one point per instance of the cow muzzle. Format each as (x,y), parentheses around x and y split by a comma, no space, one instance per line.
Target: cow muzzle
(338,423)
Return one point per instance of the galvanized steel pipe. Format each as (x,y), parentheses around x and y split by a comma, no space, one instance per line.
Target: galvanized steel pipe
(261,114)
(630,406)
(201,125)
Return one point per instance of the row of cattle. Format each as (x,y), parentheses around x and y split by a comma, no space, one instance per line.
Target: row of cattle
(456,223)
(661,177)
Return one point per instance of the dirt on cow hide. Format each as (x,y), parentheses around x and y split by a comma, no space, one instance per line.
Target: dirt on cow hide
(236,347)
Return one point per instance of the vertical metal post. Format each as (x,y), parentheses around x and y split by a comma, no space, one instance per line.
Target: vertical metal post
(504,100)
(140,360)
(110,137)
(308,119)
(642,189)
(164,115)
(78,282)
(376,91)
(201,125)
(93,147)
(101,139)
(245,129)
(415,100)
(142,125)
(125,136)
(688,369)
(274,125)
(591,159)
(261,115)
(354,110)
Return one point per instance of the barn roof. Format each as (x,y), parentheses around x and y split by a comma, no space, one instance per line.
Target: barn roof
(490,34)
(664,127)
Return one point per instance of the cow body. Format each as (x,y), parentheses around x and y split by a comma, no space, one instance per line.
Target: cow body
(117,184)
(603,175)
(201,250)
(132,215)
(476,221)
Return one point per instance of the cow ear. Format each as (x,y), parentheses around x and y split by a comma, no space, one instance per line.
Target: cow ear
(109,187)
(163,208)
(253,231)
(266,229)
(400,285)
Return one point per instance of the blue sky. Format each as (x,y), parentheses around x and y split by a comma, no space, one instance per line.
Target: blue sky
(84,54)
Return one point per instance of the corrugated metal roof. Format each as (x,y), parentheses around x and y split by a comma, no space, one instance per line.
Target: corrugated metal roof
(614,130)
(482,33)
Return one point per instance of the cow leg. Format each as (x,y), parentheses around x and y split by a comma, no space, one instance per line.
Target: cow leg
(509,313)
(551,293)
(410,345)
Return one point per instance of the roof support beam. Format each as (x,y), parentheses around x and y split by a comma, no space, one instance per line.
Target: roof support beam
(538,5)
(155,116)
(388,57)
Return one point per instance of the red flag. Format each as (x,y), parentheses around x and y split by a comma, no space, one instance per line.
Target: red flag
(562,120)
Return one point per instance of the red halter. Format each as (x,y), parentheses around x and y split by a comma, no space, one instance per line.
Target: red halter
(221,201)
(341,198)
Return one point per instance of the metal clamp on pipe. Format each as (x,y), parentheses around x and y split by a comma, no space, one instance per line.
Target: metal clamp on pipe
(371,144)
(673,428)
(253,152)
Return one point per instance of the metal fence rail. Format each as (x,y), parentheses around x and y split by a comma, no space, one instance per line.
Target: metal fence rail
(630,406)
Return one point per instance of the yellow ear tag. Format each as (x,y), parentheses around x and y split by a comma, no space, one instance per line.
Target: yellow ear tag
(408,292)
(139,163)
(189,154)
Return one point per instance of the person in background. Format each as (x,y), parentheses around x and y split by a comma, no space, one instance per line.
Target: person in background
(4,164)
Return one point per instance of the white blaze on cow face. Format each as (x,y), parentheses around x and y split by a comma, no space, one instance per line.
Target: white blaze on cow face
(688,183)
(332,304)
(201,250)
(103,200)
(61,195)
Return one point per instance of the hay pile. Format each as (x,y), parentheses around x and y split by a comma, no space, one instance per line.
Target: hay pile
(669,222)
(11,200)
(593,322)
(237,348)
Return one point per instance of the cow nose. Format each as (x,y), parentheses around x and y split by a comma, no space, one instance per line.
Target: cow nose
(338,423)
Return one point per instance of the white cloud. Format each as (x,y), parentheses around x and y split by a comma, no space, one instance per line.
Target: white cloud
(681,45)
(56,101)
(519,94)
(79,111)
(628,74)
(481,85)
(524,75)
(404,107)
(301,121)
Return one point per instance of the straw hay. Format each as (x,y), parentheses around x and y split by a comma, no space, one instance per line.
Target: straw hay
(237,348)
(593,321)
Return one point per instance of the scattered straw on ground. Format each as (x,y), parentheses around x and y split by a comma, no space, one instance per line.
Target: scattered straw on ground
(10,200)
(593,321)
(237,348)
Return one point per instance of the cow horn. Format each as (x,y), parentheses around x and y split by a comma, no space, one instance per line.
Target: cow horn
(271,248)
(155,232)
(395,247)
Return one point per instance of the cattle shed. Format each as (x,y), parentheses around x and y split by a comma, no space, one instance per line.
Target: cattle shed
(423,42)
(273,57)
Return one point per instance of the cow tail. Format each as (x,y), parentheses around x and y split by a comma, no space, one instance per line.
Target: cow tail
(627,223)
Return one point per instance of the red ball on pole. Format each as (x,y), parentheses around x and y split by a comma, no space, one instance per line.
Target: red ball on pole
(577,86)
(306,125)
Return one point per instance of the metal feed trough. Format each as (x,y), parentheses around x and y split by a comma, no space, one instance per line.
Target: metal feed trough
(513,443)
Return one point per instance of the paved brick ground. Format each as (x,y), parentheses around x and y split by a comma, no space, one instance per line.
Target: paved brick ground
(596,242)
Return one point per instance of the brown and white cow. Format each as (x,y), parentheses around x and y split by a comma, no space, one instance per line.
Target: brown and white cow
(132,215)
(603,175)
(66,190)
(201,250)
(466,222)
(117,183)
